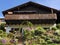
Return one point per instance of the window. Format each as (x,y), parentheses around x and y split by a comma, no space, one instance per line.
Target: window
(10,12)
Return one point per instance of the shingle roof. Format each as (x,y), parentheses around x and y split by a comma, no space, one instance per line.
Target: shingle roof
(30,3)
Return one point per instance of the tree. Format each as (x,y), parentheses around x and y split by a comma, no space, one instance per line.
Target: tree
(2,27)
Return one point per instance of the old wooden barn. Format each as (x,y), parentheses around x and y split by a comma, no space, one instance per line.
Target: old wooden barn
(33,12)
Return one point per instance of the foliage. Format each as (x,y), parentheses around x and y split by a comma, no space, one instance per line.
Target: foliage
(5,38)
(10,35)
(39,28)
(41,40)
(4,34)
(49,41)
(54,28)
(37,32)
(58,26)
(1,31)
(39,36)
(27,23)
(57,32)
(43,36)
(2,27)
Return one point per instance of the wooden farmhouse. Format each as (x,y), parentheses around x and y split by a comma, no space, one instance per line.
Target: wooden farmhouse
(33,12)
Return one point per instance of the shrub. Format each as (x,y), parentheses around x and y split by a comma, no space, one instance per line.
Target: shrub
(32,33)
(58,26)
(57,32)
(49,41)
(33,43)
(54,28)
(2,27)
(47,38)
(43,36)
(26,43)
(27,34)
(10,35)
(1,31)
(39,30)
(1,44)
(56,39)
(4,34)
(42,40)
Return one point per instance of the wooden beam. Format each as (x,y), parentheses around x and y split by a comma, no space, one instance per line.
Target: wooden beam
(52,11)
(18,8)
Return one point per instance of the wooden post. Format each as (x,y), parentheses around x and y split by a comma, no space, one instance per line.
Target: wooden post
(18,8)
(52,11)
(19,28)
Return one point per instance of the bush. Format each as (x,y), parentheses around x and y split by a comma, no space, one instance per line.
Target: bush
(32,33)
(58,26)
(10,35)
(54,28)
(1,31)
(42,40)
(40,36)
(2,27)
(1,44)
(33,43)
(43,36)
(49,41)
(4,34)
(27,34)
(39,30)
(57,32)
(56,39)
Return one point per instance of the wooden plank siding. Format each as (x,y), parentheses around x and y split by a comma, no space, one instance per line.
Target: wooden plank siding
(30,16)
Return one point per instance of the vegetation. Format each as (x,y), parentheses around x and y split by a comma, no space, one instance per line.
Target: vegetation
(54,28)
(2,26)
(40,36)
(58,26)
(7,39)
(33,36)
